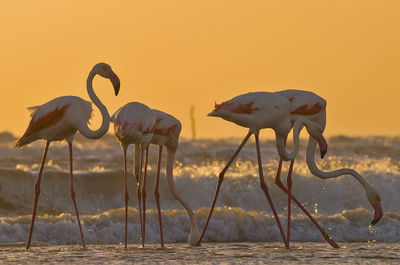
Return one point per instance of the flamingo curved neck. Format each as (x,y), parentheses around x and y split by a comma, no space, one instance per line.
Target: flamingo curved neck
(194,233)
(85,130)
(281,140)
(310,159)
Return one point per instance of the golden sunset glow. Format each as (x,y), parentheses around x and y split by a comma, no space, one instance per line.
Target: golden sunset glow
(173,54)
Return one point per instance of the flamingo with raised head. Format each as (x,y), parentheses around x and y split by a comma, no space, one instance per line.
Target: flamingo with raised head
(60,119)
(308,105)
(134,124)
(166,133)
(256,111)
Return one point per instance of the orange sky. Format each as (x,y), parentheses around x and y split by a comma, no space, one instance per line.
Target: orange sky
(171,54)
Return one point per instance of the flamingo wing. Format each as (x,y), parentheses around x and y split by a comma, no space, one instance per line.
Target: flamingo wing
(303,102)
(236,107)
(308,109)
(166,130)
(166,124)
(42,119)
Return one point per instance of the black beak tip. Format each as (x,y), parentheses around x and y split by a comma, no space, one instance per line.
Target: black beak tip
(116,89)
(375,221)
(323,152)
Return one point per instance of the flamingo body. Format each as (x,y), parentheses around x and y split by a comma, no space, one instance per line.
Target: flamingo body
(134,123)
(256,111)
(166,130)
(57,119)
(305,104)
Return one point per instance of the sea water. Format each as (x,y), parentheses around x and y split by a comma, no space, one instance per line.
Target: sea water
(208,253)
(242,221)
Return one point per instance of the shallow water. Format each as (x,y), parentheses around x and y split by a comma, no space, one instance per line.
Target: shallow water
(208,253)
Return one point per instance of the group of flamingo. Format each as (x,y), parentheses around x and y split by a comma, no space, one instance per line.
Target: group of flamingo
(135,123)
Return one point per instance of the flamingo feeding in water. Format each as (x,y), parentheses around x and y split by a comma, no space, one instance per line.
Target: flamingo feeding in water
(257,111)
(60,119)
(308,105)
(166,133)
(134,124)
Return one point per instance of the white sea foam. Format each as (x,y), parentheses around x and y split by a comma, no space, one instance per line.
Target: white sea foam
(228,224)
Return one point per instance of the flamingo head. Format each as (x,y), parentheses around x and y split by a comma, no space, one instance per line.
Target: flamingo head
(194,236)
(374,199)
(323,145)
(315,131)
(105,71)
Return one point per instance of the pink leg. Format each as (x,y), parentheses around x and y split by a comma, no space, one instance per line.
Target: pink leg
(37,192)
(72,192)
(126,201)
(139,193)
(264,187)
(282,187)
(136,161)
(157,194)
(144,195)
(220,179)
(289,187)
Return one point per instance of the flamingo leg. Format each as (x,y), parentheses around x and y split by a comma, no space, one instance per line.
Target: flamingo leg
(136,162)
(264,187)
(144,195)
(126,195)
(72,193)
(289,187)
(220,179)
(37,192)
(283,188)
(157,194)
(139,193)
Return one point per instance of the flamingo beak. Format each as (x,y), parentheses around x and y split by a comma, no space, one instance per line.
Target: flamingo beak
(323,152)
(323,146)
(115,82)
(378,213)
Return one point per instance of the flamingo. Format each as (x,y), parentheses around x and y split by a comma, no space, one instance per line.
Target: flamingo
(134,124)
(60,119)
(308,105)
(166,133)
(256,111)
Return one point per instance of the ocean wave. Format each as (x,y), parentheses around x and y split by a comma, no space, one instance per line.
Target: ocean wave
(229,224)
(101,188)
